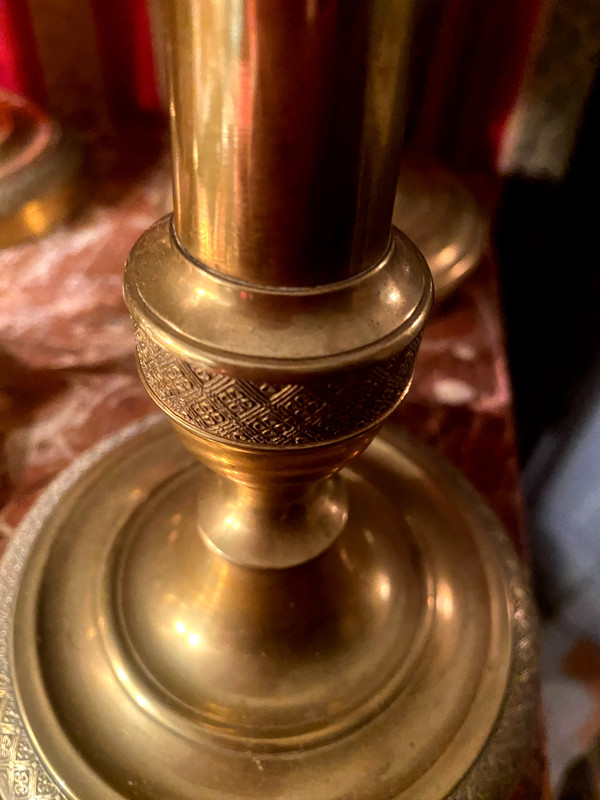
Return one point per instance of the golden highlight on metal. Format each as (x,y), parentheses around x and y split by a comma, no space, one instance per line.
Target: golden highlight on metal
(286,123)
(290,606)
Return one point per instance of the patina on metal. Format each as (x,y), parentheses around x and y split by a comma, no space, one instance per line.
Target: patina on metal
(291,606)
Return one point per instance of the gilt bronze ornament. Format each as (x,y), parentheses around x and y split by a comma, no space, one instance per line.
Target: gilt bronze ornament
(293,604)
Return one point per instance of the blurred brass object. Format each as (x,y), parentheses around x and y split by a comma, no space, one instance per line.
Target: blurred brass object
(443,219)
(292,607)
(39,172)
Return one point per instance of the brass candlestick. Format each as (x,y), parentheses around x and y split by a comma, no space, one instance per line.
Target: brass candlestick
(274,611)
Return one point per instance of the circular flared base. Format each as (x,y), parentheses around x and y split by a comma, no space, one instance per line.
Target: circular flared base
(137,662)
(444,220)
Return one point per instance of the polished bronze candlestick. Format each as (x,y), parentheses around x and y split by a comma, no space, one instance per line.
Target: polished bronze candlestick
(289,608)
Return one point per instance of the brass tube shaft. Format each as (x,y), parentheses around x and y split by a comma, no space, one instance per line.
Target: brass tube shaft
(286,129)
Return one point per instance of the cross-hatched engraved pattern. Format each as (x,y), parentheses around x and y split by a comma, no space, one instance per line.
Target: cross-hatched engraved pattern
(319,410)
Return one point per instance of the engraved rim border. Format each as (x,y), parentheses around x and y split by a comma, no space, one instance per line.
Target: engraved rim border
(492,774)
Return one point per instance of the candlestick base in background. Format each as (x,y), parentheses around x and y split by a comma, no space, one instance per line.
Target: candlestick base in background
(443,219)
(39,172)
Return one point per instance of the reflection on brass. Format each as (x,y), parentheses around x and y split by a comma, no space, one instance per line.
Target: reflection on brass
(443,219)
(291,607)
(39,169)
(285,121)
(405,651)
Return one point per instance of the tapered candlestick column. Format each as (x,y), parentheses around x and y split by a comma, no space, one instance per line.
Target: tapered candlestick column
(285,134)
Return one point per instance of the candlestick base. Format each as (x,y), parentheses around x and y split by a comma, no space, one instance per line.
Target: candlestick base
(443,219)
(136,661)
(39,171)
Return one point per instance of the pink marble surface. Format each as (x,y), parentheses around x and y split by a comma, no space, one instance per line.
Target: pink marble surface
(79,411)
(461,400)
(60,297)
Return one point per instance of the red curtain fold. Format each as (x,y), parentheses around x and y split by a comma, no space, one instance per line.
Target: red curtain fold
(126,53)
(20,69)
